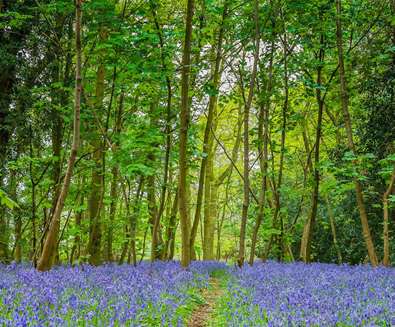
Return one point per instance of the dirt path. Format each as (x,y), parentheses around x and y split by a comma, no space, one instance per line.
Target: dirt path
(201,316)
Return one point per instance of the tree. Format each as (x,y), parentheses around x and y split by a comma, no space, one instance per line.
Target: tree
(168,115)
(386,256)
(46,260)
(347,122)
(184,122)
(246,165)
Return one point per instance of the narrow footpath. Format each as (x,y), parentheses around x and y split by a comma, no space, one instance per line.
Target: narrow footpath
(202,315)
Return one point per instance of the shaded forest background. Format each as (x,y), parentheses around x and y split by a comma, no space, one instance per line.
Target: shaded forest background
(209,129)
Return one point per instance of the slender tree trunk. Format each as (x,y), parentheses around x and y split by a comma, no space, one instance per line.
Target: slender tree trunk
(263,129)
(168,133)
(209,220)
(386,257)
(144,243)
(44,262)
(80,215)
(4,255)
(57,119)
(127,236)
(208,139)
(17,217)
(57,137)
(171,230)
(305,250)
(333,229)
(306,142)
(282,151)
(132,216)
(95,201)
(221,221)
(184,123)
(246,174)
(33,252)
(153,213)
(114,183)
(348,125)
(18,238)
(76,249)
(210,184)
(94,206)
(125,245)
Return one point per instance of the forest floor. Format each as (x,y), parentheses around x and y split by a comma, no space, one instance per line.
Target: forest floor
(208,294)
(202,315)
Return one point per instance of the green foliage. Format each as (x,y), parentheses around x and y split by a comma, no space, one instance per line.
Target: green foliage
(135,49)
(6,201)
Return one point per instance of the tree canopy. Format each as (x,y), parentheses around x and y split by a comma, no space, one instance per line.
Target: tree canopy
(197,129)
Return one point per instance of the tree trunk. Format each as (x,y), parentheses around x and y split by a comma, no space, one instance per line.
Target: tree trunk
(94,206)
(209,219)
(184,123)
(153,213)
(221,221)
(125,245)
(246,173)
(171,230)
(208,139)
(263,129)
(333,229)
(76,249)
(305,250)
(386,256)
(95,201)
(282,151)
(17,217)
(133,222)
(114,182)
(44,262)
(348,125)
(168,133)
(264,113)
(3,234)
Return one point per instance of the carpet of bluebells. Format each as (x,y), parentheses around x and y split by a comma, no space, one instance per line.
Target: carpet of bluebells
(274,294)
(159,294)
(164,294)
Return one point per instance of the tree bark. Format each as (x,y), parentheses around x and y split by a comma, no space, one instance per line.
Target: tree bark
(153,212)
(283,136)
(171,230)
(114,182)
(333,229)
(95,201)
(184,123)
(17,217)
(348,125)
(263,129)
(168,133)
(133,220)
(4,255)
(386,240)
(44,262)
(208,139)
(209,218)
(76,248)
(246,164)
(305,250)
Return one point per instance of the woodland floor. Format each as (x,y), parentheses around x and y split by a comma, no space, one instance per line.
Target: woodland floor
(201,317)
(208,294)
